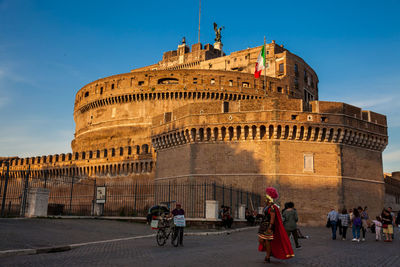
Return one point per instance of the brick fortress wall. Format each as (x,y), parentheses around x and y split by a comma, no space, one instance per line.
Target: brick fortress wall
(327,157)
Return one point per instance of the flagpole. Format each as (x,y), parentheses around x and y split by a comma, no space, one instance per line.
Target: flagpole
(265,67)
(199,17)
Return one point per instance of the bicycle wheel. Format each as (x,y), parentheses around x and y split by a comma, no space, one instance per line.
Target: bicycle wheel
(161,237)
(174,237)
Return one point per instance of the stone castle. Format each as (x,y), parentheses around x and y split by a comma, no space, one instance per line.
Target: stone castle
(200,115)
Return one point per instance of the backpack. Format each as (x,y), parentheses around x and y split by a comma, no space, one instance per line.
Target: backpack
(357,221)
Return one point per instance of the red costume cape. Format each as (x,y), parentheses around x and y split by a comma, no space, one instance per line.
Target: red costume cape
(280,246)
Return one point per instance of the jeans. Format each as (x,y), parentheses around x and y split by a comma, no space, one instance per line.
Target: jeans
(295,236)
(179,234)
(334,227)
(344,231)
(356,231)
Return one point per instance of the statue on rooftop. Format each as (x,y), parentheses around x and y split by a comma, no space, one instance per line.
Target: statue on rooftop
(218,32)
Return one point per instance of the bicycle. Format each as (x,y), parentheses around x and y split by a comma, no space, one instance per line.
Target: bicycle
(166,228)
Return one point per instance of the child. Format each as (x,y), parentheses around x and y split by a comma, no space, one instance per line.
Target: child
(378,227)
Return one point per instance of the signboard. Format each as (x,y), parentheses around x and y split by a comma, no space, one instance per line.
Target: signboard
(100,194)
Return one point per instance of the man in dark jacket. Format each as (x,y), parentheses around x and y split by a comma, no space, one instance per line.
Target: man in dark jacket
(289,219)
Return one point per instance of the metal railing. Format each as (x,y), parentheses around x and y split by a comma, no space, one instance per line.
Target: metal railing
(77,196)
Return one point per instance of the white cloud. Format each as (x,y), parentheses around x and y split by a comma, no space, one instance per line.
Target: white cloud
(374,102)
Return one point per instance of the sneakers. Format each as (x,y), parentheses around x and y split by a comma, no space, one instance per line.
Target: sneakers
(343,238)
(298,246)
(358,240)
(354,240)
(363,239)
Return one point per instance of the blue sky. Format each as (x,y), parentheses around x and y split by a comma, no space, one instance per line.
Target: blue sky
(50,49)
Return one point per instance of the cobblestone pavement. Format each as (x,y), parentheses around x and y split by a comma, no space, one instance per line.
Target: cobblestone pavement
(35,233)
(236,249)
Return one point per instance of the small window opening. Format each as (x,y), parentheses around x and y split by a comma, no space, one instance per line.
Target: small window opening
(230,82)
(279,89)
(101,90)
(281,68)
(226,107)
(86,94)
(294,117)
(194,80)
(324,119)
(140,83)
(212,81)
(112,86)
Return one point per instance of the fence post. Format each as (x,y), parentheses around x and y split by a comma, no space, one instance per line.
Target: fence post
(25,193)
(223,195)
(231,197)
(135,199)
(46,173)
(237,203)
(5,189)
(214,191)
(94,196)
(169,192)
(70,198)
(205,198)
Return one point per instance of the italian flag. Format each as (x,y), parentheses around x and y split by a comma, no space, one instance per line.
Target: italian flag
(260,64)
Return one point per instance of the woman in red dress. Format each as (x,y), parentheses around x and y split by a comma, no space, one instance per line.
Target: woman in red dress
(272,235)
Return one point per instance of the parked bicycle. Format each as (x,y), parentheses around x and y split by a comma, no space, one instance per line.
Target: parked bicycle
(166,228)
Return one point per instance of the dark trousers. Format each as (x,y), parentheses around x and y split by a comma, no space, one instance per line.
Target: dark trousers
(179,233)
(344,231)
(295,236)
(364,230)
(334,227)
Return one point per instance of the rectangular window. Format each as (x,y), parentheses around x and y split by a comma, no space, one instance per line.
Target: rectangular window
(212,81)
(226,107)
(112,86)
(230,82)
(194,80)
(296,69)
(140,83)
(281,68)
(279,89)
(308,163)
(167,117)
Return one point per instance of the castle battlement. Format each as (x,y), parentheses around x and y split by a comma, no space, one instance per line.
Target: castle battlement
(269,120)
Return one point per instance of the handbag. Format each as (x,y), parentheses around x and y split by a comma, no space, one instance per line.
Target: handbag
(328,223)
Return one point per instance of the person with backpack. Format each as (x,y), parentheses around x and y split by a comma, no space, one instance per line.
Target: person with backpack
(356,221)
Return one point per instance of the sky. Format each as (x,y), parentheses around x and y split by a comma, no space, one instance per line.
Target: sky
(50,49)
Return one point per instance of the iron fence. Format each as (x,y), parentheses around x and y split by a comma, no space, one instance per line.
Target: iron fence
(77,196)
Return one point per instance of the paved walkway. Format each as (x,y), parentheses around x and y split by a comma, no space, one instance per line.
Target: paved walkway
(235,249)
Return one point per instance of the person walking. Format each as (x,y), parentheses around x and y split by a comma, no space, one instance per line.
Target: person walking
(387,225)
(289,219)
(333,217)
(344,219)
(378,228)
(364,221)
(356,225)
(179,220)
